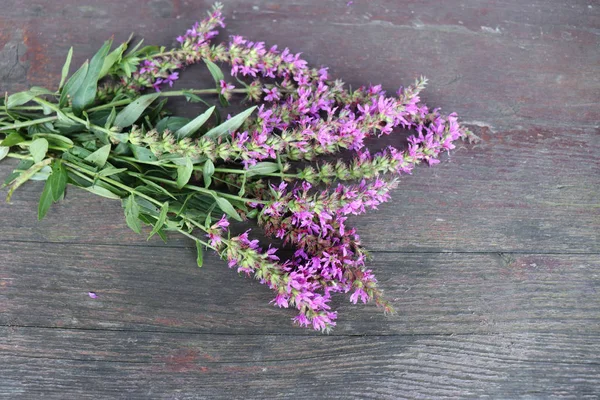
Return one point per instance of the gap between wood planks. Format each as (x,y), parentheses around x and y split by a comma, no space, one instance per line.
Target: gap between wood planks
(443,251)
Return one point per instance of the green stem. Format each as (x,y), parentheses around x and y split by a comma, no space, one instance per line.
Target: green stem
(196,239)
(73,117)
(25,108)
(19,156)
(213,193)
(118,103)
(114,183)
(183,92)
(242,172)
(135,192)
(28,123)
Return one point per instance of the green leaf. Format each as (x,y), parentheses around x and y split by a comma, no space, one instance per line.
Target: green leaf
(208,171)
(215,71)
(42,175)
(112,58)
(65,68)
(12,139)
(191,127)
(227,208)
(3,151)
(142,153)
(99,156)
(230,125)
(132,214)
(111,171)
(137,46)
(59,140)
(133,111)
(200,254)
(100,191)
(110,120)
(73,84)
(161,219)
(38,149)
(184,173)
(171,123)
(154,185)
(46,201)
(21,98)
(58,180)
(86,94)
(262,168)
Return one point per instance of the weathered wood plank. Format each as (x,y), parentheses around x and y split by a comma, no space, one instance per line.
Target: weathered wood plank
(161,290)
(36,362)
(541,60)
(528,190)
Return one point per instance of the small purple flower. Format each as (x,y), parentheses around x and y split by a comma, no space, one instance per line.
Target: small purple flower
(92,295)
(156,84)
(272,94)
(222,223)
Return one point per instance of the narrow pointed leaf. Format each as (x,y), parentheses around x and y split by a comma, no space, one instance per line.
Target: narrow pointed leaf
(133,111)
(112,58)
(215,71)
(86,93)
(191,127)
(73,84)
(227,208)
(65,68)
(230,125)
(161,220)
(46,201)
(58,180)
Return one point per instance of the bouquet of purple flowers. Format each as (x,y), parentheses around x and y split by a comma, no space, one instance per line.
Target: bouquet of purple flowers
(107,130)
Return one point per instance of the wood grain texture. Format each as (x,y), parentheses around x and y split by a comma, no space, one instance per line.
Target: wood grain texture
(188,366)
(492,258)
(504,62)
(139,289)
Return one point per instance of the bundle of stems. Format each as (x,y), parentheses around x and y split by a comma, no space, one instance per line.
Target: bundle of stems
(108,130)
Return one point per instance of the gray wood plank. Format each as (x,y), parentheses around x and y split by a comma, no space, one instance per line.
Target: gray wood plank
(59,363)
(527,190)
(148,289)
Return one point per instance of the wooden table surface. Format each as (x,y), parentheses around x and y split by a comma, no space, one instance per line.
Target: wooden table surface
(491,258)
